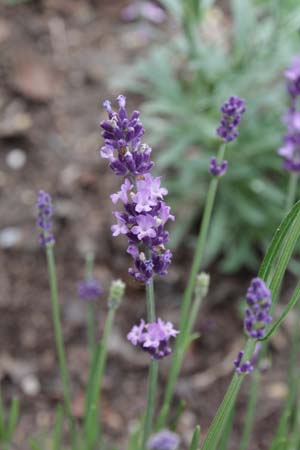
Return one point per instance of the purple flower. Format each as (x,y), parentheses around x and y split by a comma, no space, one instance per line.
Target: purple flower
(290,152)
(217,169)
(257,315)
(245,367)
(144,213)
(163,440)
(89,289)
(146,10)
(153,337)
(122,135)
(232,112)
(292,75)
(44,223)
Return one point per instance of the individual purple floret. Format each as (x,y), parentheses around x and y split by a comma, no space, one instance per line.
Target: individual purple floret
(290,152)
(217,169)
(123,147)
(144,212)
(232,110)
(89,289)
(163,440)
(243,368)
(44,222)
(145,10)
(258,311)
(292,75)
(153,337)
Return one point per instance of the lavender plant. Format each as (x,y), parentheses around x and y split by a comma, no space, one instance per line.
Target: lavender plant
(143,218)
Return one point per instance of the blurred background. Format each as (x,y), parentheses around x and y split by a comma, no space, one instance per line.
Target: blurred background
(176,61)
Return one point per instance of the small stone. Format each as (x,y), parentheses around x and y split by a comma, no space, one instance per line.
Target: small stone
(30,385)
(10,237)
(16,159)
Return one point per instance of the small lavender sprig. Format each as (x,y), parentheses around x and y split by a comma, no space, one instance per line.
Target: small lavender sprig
(46,238)
(153,337)
(232,111)
(89,289)
(44,221)
(257,317)
(258,311)
(163,440)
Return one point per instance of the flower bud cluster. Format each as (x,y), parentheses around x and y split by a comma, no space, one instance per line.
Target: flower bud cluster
(89,290)
(232,112)
(44,222)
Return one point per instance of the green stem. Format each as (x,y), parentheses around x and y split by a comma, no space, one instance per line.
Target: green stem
(249,417)
(91,425)
(91,327)
(58,334)
(153,372)
(292,188)
(89,267)
(217,426)
(188,295)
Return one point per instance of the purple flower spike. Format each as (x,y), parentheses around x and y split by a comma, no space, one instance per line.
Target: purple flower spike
(123,147)
(89,289)
(163,440)
(216,169)
(258,311)
(243,368)
(232,112)
(144,213)
(153,337)
(44,223)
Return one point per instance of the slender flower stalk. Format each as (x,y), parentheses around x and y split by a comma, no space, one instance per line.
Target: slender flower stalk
(44,204)
(93,401)
(292,189)
(232,111)
(153,373)
(89,290)
(163,440)
(188,296)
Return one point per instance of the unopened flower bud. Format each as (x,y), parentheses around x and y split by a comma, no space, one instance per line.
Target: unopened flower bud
(202,284)
(116,293)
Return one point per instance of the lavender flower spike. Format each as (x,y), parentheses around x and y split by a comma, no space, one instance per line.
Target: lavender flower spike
(44,223)
(89,290)
(144,212)
(163,440)
(122,135)
(216,169)
(232,112)
(258,311)
(153,337)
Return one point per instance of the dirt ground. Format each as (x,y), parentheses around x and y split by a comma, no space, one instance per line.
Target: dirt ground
(57,57)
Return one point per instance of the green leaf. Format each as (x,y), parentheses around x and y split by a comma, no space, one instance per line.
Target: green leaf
(195,438)
(57,432)
(13,417)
